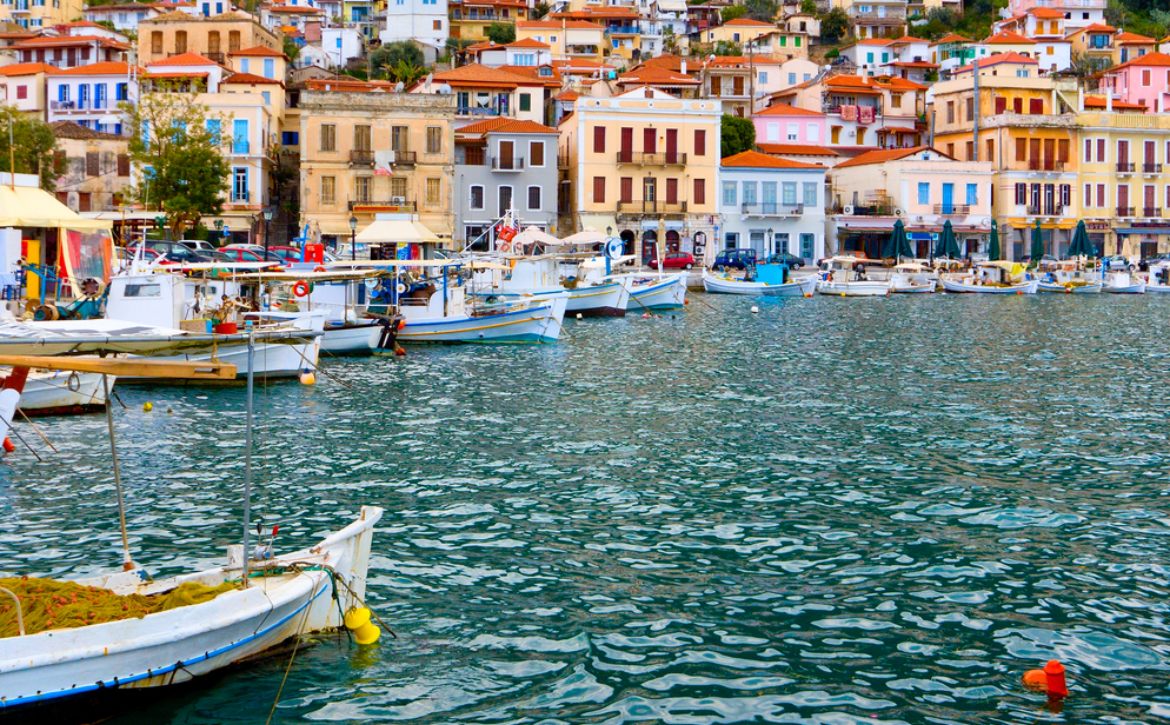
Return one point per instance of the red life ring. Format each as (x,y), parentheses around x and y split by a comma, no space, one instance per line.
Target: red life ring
(301,288)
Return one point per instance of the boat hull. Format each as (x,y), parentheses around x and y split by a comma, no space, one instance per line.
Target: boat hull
(1025,288)
(180,644)
(351,338)
(604,300)
(797,288)
(1158,289)
(1129,289)
(538,323)
(270,360)
(657,292)
(63,393)
(1051,288)
(853,289)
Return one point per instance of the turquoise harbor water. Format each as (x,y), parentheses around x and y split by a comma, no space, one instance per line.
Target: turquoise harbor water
(878,510)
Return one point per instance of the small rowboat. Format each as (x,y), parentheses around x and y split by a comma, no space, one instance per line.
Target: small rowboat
(1088,288)
(771,280)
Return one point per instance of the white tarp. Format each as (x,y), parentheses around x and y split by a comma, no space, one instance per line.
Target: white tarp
(398,231)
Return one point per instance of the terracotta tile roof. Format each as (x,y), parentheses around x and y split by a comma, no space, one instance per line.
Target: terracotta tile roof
(1155,60)
(895,83)
(926,65)
(1099,102)
(475,74)
(533,74)
(505,125)
(997,58)
(557,25)
(906,39)
(492,3)
(1096,28)
(28,69)
(670,62)
(748,23)
(69,129)
(1007,37)
(951,38)
(150,75)
(183,59)
(881,42)
(293,10)
(757,160)
(615,12)
(852,84)
(879,156)
(656,76)
(793,149)
(347,85)
(1127,38)
(251,79)
(104,68)
(567,96)
(527,43)
(781,109)
(258,51)
(1045,13)
(481,45)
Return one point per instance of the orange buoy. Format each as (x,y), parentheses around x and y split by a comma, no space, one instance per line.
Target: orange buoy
(1019,291)
(1057,686)
(1036,680)
(8,445)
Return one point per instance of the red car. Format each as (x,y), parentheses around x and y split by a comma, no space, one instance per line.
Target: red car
(675,260)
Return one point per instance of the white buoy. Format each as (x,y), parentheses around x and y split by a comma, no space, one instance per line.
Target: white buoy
(755,310)
(580,316)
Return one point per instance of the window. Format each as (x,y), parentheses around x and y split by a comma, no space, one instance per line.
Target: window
(92,163)
(290,138)
(397,187)
(433,191)
(1088,149)
(626,189)
(534,198)
(599,143)
(536,153)
(923,192)
(180,41)
(950,111)
(1088,195)
(475,200)
(1021,149)
(1066,195)
(21,92)
(240,136)
(700,143)
(788,193)
(267,96)
(240,184)
(525,101)
(792,132)
(599,186)
(1145,77)
(672,191)
(269,68)
(700,195)
(749,192)
(398,138)
(729,194)
(361,188)
(328,137)
(434,139)
(122,92)
(503,200)
(123,165)
(810,194)
(328,190)
(156,42)
(972,194)
(1101,195)
(1062,150)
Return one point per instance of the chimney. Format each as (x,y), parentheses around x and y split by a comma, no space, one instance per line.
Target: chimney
(1109,101)
(682,66)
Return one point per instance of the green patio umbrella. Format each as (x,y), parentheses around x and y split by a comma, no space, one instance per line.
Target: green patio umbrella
(898,245)
(993,253)
(1080,242)
(947,246)
(1037,250)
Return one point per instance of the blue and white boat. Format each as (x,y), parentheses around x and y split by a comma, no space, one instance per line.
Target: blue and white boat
(1124,282)
(771,280)
(446,315)
(545,277)
(654,290)
(1071,278)
(992,278)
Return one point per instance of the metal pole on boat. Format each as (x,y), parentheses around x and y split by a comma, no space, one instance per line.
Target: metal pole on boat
(127,562)
(248,454)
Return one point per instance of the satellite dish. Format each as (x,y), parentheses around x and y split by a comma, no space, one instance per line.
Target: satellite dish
(614,247)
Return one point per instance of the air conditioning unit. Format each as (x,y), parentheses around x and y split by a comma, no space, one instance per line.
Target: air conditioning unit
(848,209)
(398,200)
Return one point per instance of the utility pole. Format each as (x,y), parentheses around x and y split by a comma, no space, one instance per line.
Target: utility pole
(975,107)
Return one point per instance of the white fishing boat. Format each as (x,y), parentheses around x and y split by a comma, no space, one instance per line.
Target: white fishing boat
(1124,282)
(1159,278)
(341,296)
(995,278)
(770,280)
(1071,277)
(912,278)
(654,290)
(63,392)
(845,276)
(547,276)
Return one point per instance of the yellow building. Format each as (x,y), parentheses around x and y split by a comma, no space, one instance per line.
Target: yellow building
(470,18)
(1023,124)
(366,152)
(739,31)
(567,39)
(643,165)
(216,37)
(38,14)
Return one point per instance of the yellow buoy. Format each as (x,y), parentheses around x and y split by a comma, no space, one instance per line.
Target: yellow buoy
(356,618)
(148,406)
(308,377)
(367,634)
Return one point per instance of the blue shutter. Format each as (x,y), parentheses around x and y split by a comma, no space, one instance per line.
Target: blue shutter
(215,128)
(240,136)
(269,68)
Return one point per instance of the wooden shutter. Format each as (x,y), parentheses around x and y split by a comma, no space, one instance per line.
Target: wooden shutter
(599,189)
(700,142)
(599,139)
(700,195)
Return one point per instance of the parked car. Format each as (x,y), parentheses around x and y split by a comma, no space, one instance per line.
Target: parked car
(735,259)
(791,260)
(240,253)
(675,260)
(201,246)
(170,252)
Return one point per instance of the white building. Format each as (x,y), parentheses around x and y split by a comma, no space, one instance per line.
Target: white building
(89,95)
(341,44)
(424,21)
(772,205)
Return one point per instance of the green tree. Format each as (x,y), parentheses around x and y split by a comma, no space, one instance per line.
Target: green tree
(290,48)
(33,145)
(762,9)
(808,7)
(385,59)
(736,134)
(177,147)
(726,47)
(540,10)
(731,12)
(501,33)
(834,25)
(406,72)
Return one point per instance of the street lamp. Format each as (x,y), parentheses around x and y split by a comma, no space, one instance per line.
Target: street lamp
(269,212)
(769,248)
(352,237)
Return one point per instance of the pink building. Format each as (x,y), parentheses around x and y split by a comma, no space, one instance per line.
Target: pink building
(1144,80)
(789,125)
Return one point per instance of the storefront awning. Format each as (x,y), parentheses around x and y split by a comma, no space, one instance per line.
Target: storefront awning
(26,206)
(1142,230)
(399,231)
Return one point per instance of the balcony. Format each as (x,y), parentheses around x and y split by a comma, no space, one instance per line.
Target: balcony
(773,209)
(1048,210)
(507,163)
(622,30)
(405,158)
(394,203)
(1125,167)
(952,209)
(1151,168)
(1125,211)
(671,158)
(872,17)
(478,111)
(241,147)
(1151,212)
(870,210)
(361,157)
(1045,165)
(652,207)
